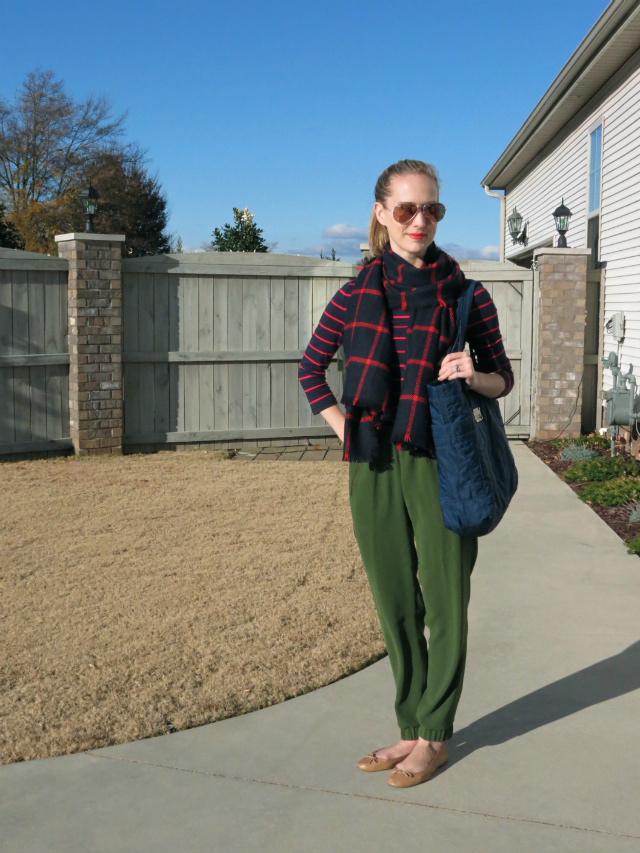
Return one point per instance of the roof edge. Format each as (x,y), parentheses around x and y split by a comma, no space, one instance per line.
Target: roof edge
(604,28)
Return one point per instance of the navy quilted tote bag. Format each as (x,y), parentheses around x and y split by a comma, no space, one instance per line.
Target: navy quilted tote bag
(477,475)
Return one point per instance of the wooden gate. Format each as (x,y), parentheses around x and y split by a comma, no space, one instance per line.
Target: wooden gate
(512,289)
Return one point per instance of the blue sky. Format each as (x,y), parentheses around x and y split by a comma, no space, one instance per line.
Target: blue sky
(294,107)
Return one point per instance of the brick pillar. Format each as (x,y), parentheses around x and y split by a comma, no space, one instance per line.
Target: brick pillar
(557,392)
(94,305)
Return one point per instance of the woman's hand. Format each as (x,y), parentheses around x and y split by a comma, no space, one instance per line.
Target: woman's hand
(458,365)
(487,384)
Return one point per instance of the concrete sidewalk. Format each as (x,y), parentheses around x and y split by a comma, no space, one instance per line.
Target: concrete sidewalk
(545,756)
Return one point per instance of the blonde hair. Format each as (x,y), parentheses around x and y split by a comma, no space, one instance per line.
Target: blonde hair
(378,234)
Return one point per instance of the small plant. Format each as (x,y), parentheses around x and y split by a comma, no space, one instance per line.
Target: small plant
(634,512)
(633,545)
(602,468)
(577,453)
(594,440)
(612,493)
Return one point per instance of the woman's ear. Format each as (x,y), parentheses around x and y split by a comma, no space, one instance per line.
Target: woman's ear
(380,212)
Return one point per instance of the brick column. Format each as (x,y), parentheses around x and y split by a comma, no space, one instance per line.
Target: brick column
(94,304)
(557,392)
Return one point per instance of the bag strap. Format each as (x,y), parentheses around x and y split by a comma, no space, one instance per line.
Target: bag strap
(463,310)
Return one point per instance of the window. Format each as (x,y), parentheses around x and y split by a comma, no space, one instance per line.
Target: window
(595,159)
(593,215)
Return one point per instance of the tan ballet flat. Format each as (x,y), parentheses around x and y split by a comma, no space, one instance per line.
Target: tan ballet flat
(371,763)
(405,779)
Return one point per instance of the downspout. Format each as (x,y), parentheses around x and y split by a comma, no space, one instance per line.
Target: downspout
(502,218)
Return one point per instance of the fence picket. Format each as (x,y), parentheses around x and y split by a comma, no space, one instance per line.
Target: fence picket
(277,343)
(220,344)
(234,342)
(205,343)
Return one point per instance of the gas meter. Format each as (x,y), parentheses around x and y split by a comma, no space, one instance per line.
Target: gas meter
(620,408)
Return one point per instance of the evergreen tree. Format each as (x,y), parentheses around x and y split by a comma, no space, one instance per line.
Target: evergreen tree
(243,236)
(331,257)
(9,237)
(131,203)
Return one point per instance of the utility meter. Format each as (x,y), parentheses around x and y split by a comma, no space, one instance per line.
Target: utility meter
(620,401)
(615,326)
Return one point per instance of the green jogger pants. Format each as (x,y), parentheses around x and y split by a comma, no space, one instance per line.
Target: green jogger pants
(419,573)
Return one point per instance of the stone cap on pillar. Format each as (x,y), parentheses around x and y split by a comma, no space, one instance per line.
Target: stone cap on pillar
(88,236)
(554,250)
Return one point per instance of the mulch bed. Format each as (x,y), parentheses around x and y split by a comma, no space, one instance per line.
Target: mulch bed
(615,516)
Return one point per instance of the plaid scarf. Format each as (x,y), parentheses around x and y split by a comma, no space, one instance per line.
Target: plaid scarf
(428,295)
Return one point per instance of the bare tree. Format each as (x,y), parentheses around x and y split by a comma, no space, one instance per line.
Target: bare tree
(46,141)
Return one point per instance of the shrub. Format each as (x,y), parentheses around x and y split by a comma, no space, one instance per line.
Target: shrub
(594,440)
(577,453)
(602,468)
(612,493)
(633,545)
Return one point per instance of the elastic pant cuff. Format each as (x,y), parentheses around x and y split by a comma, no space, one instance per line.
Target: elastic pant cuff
(436,734)
(409,732)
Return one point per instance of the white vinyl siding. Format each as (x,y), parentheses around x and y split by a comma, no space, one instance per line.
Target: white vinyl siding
(566,173)
(562,175)
(620,220)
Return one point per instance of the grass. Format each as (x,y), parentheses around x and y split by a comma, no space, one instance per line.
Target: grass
(153,593)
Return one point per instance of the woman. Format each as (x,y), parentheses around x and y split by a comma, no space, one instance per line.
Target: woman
(396,322)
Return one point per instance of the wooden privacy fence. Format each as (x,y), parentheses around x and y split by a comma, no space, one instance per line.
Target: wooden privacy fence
(212,344)
(210,347)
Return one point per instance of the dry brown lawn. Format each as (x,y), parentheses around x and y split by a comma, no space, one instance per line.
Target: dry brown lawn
(145,594)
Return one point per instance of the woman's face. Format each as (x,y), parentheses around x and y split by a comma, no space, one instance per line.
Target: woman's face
(412,239)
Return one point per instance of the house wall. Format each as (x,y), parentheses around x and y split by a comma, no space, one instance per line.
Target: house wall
(564,172)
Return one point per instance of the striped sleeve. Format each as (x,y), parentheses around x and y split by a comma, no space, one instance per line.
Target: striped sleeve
(483,333)
(321,349)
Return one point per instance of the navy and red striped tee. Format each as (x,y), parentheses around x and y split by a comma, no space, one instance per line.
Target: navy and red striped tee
(483,333)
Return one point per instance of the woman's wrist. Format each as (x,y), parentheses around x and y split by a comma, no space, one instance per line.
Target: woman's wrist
(487,384)
(336,419)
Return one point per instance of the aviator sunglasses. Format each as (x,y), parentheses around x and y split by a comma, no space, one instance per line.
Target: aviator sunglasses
(405,211)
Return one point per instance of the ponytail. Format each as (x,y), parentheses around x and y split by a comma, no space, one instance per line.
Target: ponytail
(378,235)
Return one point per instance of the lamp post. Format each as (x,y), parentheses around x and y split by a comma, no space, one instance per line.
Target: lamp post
(562,215)
(90,198)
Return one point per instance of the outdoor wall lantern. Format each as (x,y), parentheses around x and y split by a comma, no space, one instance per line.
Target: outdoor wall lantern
(562,215)
(90,198)
(517,231)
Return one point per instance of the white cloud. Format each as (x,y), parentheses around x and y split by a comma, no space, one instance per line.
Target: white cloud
(345,232)
(460,253)
(344,250)
(310,251)
(345,239)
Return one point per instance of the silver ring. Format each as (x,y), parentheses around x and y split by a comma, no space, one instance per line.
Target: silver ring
(457,368)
